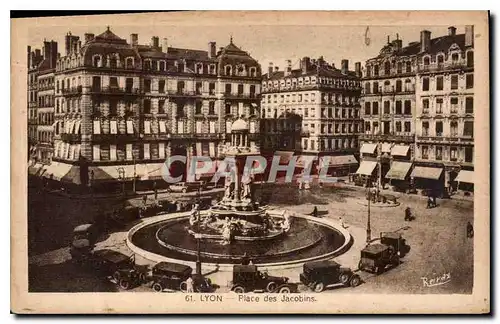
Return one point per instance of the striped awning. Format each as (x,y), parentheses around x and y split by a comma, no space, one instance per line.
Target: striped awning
(427,172)
(366,168)
(399,170)
(368,148)
(465,176)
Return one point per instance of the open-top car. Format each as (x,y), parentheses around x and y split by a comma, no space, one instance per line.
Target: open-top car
(376,257)
(187,186)
(110,263)
(246,278)
(173,276)
(320,274)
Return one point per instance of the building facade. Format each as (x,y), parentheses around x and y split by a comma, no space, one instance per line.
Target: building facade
(327,100)
(41,68)
(122,108)
(445,108)
(418,112)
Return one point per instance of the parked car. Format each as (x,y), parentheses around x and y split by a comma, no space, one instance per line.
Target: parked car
(395,240)
(376,257)
(89,232)
(173,276)
(112,263)
(187,186)
(320,274)
(246,278)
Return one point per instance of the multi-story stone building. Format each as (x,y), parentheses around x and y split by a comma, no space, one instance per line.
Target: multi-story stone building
(327,99)
(123,108)
(388,112)
(41,101)
(418,112)
(445,110)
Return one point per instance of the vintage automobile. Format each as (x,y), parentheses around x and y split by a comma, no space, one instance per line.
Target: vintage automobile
(88,232)
(246,278)
(320,274)
(187,186)
(173,276)
(110,263)
(395,240)
(376,257)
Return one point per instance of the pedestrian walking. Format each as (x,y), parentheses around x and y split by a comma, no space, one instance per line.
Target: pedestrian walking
(408,216)
(470,230)
(315,211)
(429,202)
(189,285)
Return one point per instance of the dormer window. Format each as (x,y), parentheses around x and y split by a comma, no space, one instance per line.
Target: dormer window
(212,69)
(147,65)
(228,70)
(427,60)
(253,72)
(154,65)
(454,57)
(129,63)
(112,62)
(162,66)
(199,68)
(96,61)
(440,59)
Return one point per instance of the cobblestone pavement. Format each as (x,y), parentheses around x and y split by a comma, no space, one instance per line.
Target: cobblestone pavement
(437,239)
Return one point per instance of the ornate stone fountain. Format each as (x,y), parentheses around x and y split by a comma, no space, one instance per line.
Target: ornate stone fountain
(237,216)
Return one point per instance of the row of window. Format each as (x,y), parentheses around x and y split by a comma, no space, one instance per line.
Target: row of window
(44,136)
(305,97)
(468,129)
(453,58)
(305,81)
(440,153)
(45,118)
(329,143)
(401,67)
(372,108)
(439,83)
(375,88)
(399,127)
(454,105)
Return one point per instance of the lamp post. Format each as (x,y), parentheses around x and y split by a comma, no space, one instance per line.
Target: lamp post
(121,176)
(198,237)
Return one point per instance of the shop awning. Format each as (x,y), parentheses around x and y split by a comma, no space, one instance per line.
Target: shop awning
(386,148)
(368,148)
(399,170)
(155,171)
(35,168)
(109,172)
(400,150)
(57,170)
(366,167)
(331,161)
(465,176)
(427,172)
(73,175)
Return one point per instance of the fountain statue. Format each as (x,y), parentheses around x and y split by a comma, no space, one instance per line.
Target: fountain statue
(237,216)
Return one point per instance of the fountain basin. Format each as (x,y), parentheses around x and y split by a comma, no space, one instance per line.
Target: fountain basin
(162,238)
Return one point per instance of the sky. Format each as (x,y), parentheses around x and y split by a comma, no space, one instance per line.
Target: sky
(265,43)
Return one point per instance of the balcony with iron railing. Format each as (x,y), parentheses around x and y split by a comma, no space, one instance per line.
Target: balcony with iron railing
(405,137)
(72,91)
(437,67)
(240,95)
(112,90)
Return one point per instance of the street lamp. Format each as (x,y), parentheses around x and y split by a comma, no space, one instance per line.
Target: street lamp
(198,237)
(368,222)
(121,176)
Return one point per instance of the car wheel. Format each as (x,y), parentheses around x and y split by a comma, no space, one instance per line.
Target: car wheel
(344,278)
(124,284)
(271,286)
(239,290)
(183,286)
(319,287)
(117,276)
(355,281)
(157,287)
(285,290)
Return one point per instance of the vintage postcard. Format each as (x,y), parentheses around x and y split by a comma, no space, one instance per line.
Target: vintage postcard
(251,162)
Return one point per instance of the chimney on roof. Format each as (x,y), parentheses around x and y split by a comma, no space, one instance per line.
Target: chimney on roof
(357,69)
(29,56)
(344,66)
(38,53)
(67,43)
(155,41)
(469,35)
(288,69)
(79,45)
(305,64)
(452,31)
(276,68)
(388,39)
(50,52)
(88,37)
(270,69)
(425,40)
(212,49)
(134,39)
(164,45)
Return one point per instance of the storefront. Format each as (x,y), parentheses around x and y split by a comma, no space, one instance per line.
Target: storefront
(398,175)
(366,172)
(338,166)
(465,180)
(428,179)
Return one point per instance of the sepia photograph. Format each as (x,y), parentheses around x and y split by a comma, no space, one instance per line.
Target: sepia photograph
(251,162)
